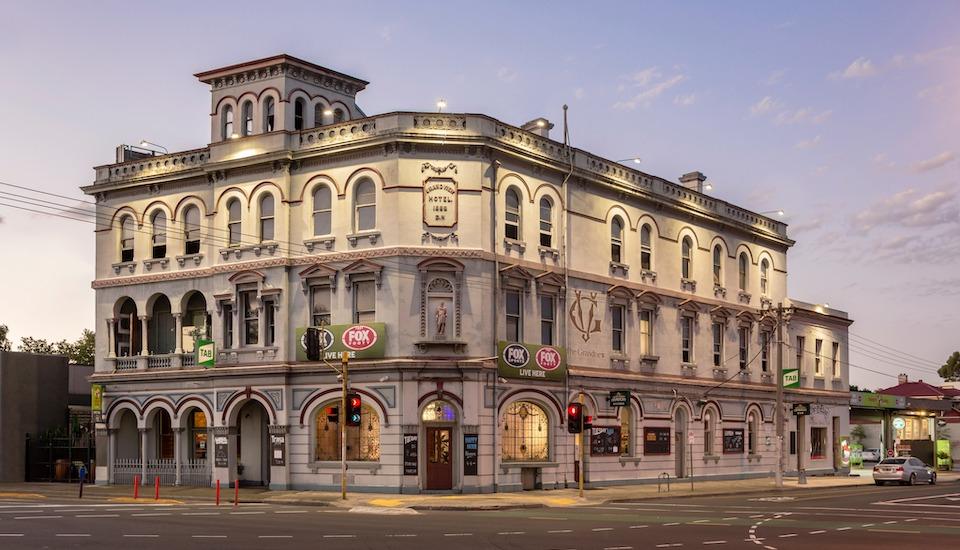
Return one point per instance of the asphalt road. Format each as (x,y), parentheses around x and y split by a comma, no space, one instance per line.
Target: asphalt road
(850,518)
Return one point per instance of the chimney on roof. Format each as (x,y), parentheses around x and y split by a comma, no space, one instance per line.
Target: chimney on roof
(693,180)
(539,126)
(902,378)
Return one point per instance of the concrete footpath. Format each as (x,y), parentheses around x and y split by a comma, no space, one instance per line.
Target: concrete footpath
(527,499)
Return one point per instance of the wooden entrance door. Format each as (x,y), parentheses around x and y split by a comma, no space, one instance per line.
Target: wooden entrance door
(439,459)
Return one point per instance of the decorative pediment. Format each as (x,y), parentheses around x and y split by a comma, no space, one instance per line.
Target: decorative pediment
(721,314)
(691,306)
(649,299)
(619,294)
(440,264)
(247,276)
(318,274)
(768,323)
(515,276)
(550,282)
(746,317)
(362,267)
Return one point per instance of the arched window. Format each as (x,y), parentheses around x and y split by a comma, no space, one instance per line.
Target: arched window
(298,107)
(322,212)
(126,239)
(158,223)
(226,122)
(511,228)
(616,239)
(339,116)
(247,118)
(318,115)
(646,248)
(686,258)
(269,106)
(764,277)
(197,428)
(233,221)
(127,327)
(546,223)
(438,411)
(743,264)
(626,431)
(191,230)
(266,218)
(526,433)
(717,265)
(709,431)
(161,336)
(365,206)
(753,429)
(363,441)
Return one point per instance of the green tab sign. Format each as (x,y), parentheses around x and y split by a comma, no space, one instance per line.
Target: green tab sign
(791,378)
(362,341)
(531,362)
(206,351)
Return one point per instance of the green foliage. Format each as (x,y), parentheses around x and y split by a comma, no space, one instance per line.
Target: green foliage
(858,434)
(4,340)
(854,387)
(80,352)
(950,371)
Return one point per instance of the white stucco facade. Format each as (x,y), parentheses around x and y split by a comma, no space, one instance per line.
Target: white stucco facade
(410,210)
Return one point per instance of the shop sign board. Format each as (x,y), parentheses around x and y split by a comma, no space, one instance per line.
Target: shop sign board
(877,400)
(409,454)
(620,398)
(531,361)
(791,378)
(471,453)
(220,455)
(206,351)
(96,398)
(801,409)
(899,423)
(361,341)
(277,445)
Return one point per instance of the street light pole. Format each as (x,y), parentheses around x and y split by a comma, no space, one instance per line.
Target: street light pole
(583,452)
(778,414)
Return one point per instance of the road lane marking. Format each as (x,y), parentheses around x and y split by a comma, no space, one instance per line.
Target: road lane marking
(787,536)
(729,519)
(97,516)
(401,535)
(37,517)
(843,528)
(595,529)
(458,534)
(142,536)
(275,536)
(893,531)
(203,513)
(670,524)
(714,542)
(73,534)
(11,534)
(556,531)
(151,515)
(241,513)
(670,545)
(911,519)
(339,536)
(708,523)
(638,526)
(618,548)
(868,525)
(512,533)
(209,536)
(551,518)
(291,512)
(817,532)
(889,522)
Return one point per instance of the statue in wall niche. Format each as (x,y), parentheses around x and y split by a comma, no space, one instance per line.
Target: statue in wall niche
(441,320)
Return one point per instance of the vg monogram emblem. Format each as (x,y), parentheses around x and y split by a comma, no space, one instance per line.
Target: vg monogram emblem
(584,321)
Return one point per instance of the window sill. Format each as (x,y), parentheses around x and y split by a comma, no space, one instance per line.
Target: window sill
(648,274)
(371,466)
(624,460)
(326,241)
(372,235)
(197,258)
(688,369)
(720,372)
(619,361)
(744,297)
(423,346)
(753,457)
(649,358)
(688,284)
(118,267)
(505,466)
(509,244)
(163,262)
(619,268)
(719,291)
(715,458)
(258,249)
(547,251)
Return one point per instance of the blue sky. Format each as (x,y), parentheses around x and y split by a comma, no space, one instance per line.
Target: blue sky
(843,114)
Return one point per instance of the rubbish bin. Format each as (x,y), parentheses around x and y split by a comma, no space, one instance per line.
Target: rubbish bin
(530,479)
(61,469)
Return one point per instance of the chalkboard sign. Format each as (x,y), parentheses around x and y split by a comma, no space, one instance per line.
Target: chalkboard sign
(409,454)
(656,441)
(732,441)
(220,455)
(277,450)
(605,441)
(471,449)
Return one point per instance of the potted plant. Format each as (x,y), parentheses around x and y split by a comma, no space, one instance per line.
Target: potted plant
(944,462)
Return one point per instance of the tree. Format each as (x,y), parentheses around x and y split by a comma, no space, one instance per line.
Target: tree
(4,340)
(80,352)
(858,434)
(950,371)
(84,350)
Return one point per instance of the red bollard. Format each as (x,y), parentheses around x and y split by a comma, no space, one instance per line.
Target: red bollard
(218,492)
(236,492)
(136,487)
(156,488)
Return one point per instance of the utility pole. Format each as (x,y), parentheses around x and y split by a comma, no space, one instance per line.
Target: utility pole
(344,361)
(778,414)
(583,451)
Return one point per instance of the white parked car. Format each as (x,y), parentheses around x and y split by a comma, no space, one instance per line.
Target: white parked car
(870,455)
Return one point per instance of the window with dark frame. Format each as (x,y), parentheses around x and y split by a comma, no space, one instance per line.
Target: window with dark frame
(319,305)
(718,344)
(248,118)
(818,358)
(743,266)
(836,360)
(646,248)
(717,265)
(616,239)
(298,106)
(227,326)
(616,324)
(159,236)
(322,210)
(686,339)
(546,223)
(511,220)
(268,115)
(266,218)
(818,442)
(793,443)
(191,230)
(251,317)
(318,115)
(365,214)
(364,302)
(233,221)
(126,239)
(227,122)
(765,351)
(269,314)
(656,441)
(646,332)
(686,258)
(799,351)
(513,315)
(744,347)
(547,319)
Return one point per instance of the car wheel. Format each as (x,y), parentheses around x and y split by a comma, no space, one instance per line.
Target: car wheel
(879,483)
(913,479)
(933,479)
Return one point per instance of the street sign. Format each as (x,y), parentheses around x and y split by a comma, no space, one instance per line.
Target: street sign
(801,409)
(206,350)
(619,398)
(899,423)
(791,378)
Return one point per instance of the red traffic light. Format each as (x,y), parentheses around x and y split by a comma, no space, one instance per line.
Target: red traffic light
(575,418)
(353,409)
(573,410)
(355,402)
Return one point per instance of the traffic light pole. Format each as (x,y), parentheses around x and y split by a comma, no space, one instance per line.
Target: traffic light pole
(344,361)
(583,453)
(778,414)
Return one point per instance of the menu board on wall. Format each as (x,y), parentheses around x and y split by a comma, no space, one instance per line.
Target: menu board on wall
(471,449)
(409,454)
(656,441)
(277,447)
(605,441)
(732,441)
(220,455)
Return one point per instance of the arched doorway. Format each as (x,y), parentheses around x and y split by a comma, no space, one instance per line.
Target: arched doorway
(439,420)
(161,338)
(160,456)
(253,445)
(196,324)
(126,448)
(127,330)
(195,449)
(680,441)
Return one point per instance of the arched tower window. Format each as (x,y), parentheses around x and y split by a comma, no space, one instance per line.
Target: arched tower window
(717,265)
(269,115)
(546,223)
(247,118)
(266,218)
(616,239)
(365,205)
(322,210)
(318,115)
(646,248)
(339,115)
(511,227)
(764,277)
(126,239)
(686,258)
(298,107)
(226,122)
(159,235)
(233,221)
(743,265)
(191,230)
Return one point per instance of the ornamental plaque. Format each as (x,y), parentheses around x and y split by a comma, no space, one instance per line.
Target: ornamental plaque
(440,202)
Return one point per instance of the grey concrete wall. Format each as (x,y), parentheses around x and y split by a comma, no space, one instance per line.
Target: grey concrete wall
(33,398)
